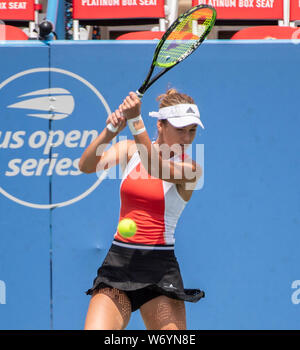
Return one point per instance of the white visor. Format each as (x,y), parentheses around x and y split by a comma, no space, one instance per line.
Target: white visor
(180,115)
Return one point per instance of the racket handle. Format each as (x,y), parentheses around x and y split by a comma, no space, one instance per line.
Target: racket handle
(139,94)
(113,129)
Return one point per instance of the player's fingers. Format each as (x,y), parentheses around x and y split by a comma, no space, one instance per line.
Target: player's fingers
(126,105)
(123,122)
(134,96)
(126,102)
(114,119)
(121,118)
(130,101)
(118,114)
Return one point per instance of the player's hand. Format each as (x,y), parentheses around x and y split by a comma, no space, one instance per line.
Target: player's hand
(131,106)
(117,120)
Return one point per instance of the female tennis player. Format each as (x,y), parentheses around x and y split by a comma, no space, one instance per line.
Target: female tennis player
(141,272)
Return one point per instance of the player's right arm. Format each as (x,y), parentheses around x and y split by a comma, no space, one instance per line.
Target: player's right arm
(96,157)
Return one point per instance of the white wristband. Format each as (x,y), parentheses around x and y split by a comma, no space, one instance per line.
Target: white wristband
(111,128)
(131,125)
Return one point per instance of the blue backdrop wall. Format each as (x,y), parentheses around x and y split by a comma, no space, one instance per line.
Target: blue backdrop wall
(238,239)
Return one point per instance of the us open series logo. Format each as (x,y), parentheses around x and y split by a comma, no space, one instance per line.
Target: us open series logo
(33,149)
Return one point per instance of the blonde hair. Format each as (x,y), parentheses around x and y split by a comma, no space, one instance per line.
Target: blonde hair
(173,97)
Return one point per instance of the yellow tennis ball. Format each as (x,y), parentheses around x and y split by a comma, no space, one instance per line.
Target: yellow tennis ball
(127,228)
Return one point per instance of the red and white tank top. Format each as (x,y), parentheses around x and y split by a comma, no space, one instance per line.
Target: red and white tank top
(155,206)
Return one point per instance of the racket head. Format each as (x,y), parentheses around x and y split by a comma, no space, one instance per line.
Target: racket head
(184,36)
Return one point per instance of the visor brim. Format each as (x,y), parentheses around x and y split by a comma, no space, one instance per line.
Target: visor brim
(181,122)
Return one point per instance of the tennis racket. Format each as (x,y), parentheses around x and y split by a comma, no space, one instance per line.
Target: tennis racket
(181,39)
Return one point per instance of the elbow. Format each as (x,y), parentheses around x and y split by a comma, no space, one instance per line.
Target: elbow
(83,167)
(86,171)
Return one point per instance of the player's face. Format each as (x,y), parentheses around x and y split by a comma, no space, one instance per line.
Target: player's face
(179,136)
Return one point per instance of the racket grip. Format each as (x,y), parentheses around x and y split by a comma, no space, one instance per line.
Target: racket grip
(139,94)
(113,129)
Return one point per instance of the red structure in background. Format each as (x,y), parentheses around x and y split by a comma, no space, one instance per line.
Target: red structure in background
(246,9)
(17,11)
(11,33)
(294,10)
(267,32)
(82,10)
(142,35)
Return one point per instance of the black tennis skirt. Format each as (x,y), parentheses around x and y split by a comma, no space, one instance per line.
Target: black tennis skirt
(143,274)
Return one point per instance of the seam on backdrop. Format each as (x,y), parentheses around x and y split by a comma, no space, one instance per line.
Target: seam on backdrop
(50,202)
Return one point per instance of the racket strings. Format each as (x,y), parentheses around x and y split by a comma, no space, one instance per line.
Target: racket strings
(185,37)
